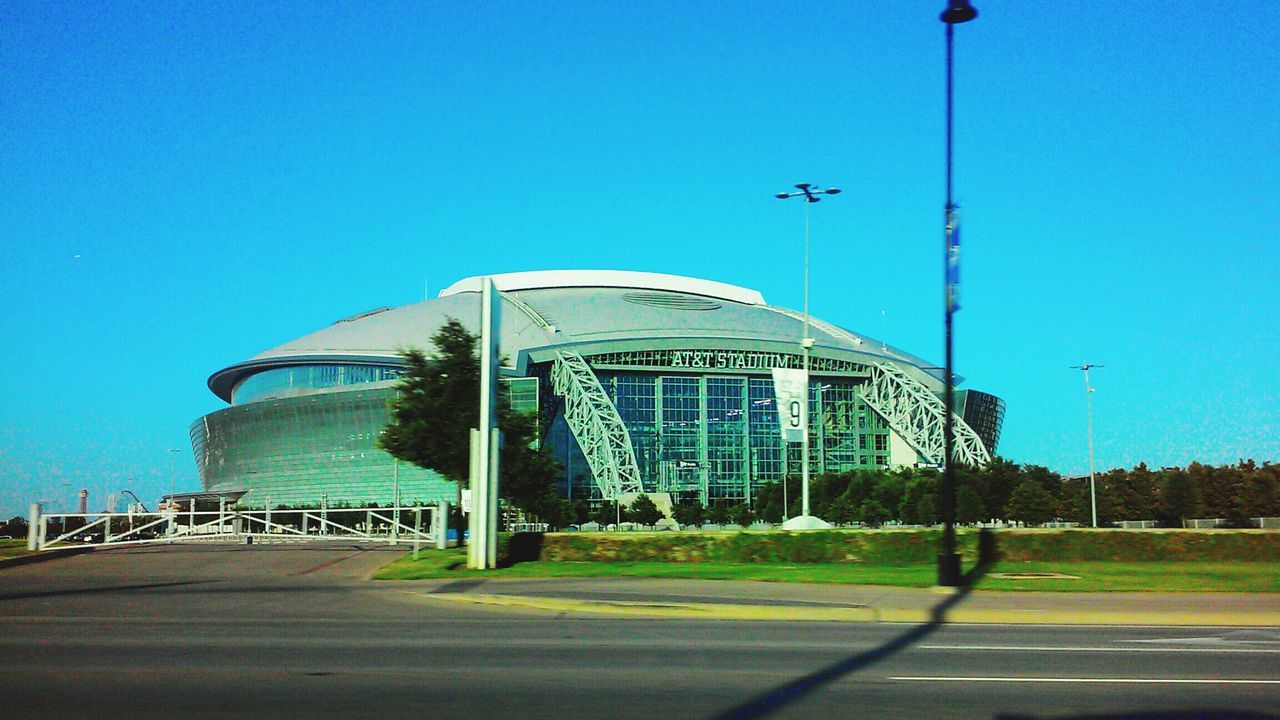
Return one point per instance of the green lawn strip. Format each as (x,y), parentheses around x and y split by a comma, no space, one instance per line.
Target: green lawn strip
(1092,576)
(13,548)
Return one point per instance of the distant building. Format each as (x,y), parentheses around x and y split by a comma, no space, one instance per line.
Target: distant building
(647,383)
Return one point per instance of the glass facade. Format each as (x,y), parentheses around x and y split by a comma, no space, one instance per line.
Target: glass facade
(984,413)
(292,450)
(716,437)
(302,379)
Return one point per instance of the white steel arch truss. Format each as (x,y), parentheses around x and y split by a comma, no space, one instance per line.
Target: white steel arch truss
(917,415)
(595,423)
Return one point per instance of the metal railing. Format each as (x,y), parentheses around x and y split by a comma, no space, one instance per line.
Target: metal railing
(417,524)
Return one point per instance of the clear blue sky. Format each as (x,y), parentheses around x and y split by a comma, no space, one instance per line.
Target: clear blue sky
(183,185)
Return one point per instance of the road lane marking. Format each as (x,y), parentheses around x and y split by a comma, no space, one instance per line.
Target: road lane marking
(1022,648)
(1113,681)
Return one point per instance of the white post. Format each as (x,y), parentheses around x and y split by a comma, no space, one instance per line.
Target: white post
(442,525)
(484,481)
(473,518)
(33,527)
(417,530)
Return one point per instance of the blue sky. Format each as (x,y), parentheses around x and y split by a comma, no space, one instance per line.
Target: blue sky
(185,185)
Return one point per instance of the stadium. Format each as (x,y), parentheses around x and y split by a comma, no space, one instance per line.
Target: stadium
(645,382)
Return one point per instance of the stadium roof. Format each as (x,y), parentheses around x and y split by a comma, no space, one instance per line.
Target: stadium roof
(588,311)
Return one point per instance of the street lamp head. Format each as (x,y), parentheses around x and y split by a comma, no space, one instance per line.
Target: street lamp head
(832,191)
(804,186)
(782,196)
(958,11)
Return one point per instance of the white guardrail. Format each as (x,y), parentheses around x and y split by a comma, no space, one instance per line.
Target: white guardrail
(417,524)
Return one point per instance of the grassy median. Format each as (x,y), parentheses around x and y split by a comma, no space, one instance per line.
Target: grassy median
(12,548)
(1049,576)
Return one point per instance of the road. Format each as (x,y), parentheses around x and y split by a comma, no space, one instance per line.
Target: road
(297,631)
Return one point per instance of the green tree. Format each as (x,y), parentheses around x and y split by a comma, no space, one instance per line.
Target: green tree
(873,513)
(1179,497)
(741,514)
(969,509)
(436,406)
(687,513)
(717,513)
(1256,495)
(644,511)
(927,512)
(909,508)
(842,512)
(1030,503)
(606,514)
(996,481)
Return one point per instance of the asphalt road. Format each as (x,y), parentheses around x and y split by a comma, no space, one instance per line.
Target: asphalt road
(296,631)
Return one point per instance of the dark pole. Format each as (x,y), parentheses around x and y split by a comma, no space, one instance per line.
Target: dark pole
(958,11)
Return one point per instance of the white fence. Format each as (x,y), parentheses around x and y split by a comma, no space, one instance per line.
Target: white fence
(417,525)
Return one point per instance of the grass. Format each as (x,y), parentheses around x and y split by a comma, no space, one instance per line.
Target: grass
(1092,576)
(13,548)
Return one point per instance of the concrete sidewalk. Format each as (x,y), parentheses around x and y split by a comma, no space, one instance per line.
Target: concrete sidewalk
(732,600)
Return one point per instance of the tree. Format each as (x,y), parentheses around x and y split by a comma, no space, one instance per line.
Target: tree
(873,513)
(741,514)
(1179,497)
(15,527)
(842,512)
(909,509)
(644,511)
(607,514)
(1030,503)
(969,508)
(687,513)
(718,513)
(436,406)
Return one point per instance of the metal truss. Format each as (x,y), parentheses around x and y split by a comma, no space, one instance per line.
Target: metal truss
(917,415)
(596,425)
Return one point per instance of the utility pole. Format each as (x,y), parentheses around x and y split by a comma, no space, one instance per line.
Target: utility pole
(1088,404)
(958,11)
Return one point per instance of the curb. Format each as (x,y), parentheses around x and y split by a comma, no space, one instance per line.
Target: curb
(42,556)
(787,613)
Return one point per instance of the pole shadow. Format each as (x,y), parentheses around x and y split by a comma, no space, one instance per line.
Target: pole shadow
(777,698)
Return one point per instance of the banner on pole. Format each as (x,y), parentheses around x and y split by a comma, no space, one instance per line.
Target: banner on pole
(791,387)
(953,262)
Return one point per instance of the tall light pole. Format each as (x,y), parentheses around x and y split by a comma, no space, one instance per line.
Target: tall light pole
(1088,405)
(810,193)
(172,457)
(957,11)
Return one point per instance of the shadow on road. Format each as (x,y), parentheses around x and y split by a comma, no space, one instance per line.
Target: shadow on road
(772,700)
(1159,715)
(98,590)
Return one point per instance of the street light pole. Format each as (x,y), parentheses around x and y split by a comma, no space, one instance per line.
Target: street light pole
(1088,404)
(810,194)
(172,452)
(957,11)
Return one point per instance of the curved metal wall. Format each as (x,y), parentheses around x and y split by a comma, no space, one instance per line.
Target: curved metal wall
(292,450)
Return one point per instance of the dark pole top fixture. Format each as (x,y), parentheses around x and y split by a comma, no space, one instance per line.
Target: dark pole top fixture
(809,191)
(958,11)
